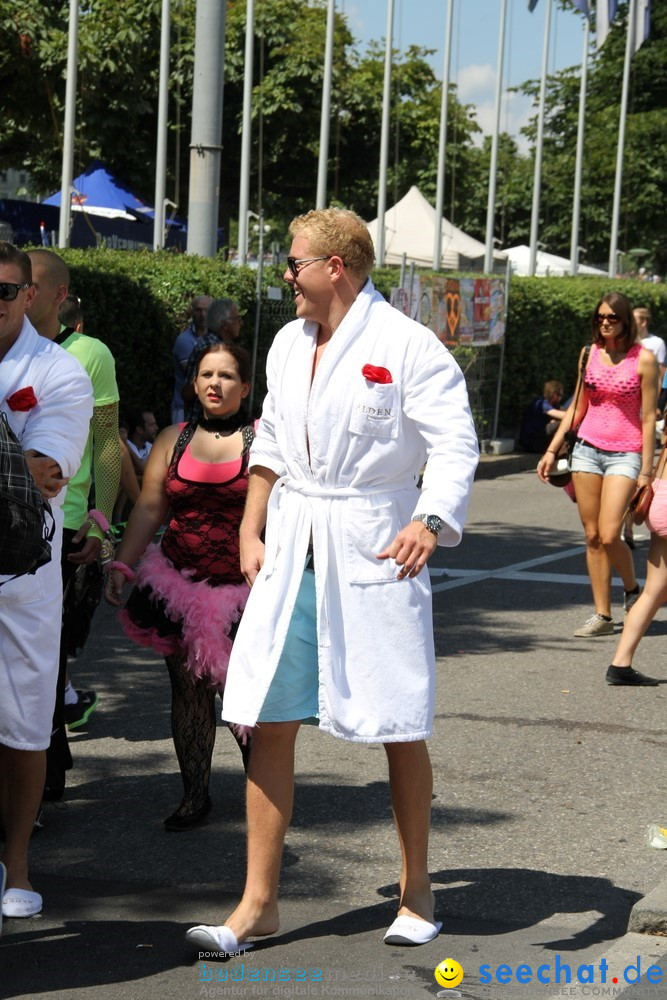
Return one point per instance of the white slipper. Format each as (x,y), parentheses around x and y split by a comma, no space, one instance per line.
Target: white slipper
(21,903)
(219,939)
(412,930)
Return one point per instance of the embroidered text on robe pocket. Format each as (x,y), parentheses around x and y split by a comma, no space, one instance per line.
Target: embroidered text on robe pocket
(376,410)
(367,532)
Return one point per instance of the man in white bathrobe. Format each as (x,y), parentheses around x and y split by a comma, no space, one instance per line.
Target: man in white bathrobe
(338,628)
(51,418)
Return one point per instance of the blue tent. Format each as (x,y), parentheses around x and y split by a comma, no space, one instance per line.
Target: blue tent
(98,192)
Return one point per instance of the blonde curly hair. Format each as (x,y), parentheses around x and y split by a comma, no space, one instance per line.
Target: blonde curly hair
(337,231)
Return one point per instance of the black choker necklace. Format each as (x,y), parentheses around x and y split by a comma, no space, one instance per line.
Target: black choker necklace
(220,425)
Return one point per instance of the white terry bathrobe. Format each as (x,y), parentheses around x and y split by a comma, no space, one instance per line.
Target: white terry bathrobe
(31,605)
(348,452)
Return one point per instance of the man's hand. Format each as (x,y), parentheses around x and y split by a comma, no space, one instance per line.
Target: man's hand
(90,551)
(252,557)
(411,549)
(47,474)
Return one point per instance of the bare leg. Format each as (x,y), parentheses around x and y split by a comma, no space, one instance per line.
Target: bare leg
(588,488)
(22,774)
(411,781)
(269,803)
(601,502)
(643,612)
(616,493)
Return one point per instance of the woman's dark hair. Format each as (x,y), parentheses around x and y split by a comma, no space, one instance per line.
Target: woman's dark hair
(240,355)
(623,309)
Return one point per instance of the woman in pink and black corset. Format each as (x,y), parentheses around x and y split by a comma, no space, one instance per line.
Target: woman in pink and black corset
(189,592)
(614,451)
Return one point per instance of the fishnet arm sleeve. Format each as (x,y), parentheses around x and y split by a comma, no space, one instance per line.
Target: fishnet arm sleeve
(106,460)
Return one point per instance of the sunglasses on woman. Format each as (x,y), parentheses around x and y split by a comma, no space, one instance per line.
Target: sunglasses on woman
(601,318)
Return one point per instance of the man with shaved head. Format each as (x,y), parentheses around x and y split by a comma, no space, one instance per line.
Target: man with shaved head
(82,535)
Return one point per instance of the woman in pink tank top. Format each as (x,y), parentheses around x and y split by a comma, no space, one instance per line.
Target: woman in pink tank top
(615,424)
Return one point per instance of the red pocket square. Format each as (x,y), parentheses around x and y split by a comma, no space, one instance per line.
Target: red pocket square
(22,400)
(373,374)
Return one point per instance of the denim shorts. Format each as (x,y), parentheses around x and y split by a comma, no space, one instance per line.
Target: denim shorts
(587,458)
(293,693)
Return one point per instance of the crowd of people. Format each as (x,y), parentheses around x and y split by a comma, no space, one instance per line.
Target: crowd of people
(260,553)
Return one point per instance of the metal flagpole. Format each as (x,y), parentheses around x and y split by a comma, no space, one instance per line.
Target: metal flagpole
(491,205)
(67,175)
(206,135)
(162,113)
(384,136)
(326,109)
(442,148)
(537,175)
(579,163)
(501,362)
(616,210)
(246,133)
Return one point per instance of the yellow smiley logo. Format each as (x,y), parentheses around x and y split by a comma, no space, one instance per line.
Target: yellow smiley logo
(449,973)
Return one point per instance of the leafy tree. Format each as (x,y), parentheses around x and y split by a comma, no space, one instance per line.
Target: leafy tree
(117,103)
(644,202)
(117,87)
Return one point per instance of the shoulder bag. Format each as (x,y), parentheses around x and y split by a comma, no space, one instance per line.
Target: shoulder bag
(26,522)
(562,473)
(640,502)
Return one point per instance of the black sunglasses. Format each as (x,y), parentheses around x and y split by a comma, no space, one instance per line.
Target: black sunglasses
(607,318)
(296,263)
(9,290)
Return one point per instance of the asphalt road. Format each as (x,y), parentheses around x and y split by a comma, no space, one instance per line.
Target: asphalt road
(545,780)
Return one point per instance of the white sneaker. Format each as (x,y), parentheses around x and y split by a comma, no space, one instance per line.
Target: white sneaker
(596,625)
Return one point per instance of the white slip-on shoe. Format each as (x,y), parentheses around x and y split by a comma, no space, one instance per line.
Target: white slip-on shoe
(218,939)
(21,903)
(412,930)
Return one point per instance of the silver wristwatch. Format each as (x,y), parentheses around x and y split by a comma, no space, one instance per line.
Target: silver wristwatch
(434,523)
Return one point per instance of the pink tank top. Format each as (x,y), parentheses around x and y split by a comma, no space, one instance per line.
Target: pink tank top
(613,418)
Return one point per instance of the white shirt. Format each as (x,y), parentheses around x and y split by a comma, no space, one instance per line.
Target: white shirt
(656,345)
(142,452)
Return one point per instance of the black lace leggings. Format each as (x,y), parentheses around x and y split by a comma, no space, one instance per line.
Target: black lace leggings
(193,726)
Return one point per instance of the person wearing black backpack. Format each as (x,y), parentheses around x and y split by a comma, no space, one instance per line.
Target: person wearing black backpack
(47,399)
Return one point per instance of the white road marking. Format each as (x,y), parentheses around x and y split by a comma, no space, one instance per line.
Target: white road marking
(516,572)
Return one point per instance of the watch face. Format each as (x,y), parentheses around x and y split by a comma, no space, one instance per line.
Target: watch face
(432,522)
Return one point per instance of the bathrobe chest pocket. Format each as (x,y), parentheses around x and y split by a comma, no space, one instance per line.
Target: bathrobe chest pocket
(376,410)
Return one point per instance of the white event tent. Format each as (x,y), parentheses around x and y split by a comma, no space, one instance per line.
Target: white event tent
(410,230)
(546,263)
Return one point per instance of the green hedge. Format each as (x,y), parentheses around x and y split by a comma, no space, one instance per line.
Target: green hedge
(137,302)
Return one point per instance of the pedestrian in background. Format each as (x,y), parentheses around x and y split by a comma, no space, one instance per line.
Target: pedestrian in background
(615,424)
(654,595)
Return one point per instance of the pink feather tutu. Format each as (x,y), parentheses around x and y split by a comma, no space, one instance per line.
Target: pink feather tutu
(172,613)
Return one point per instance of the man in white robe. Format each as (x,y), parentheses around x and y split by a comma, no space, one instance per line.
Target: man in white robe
(359,397)
(52,426)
